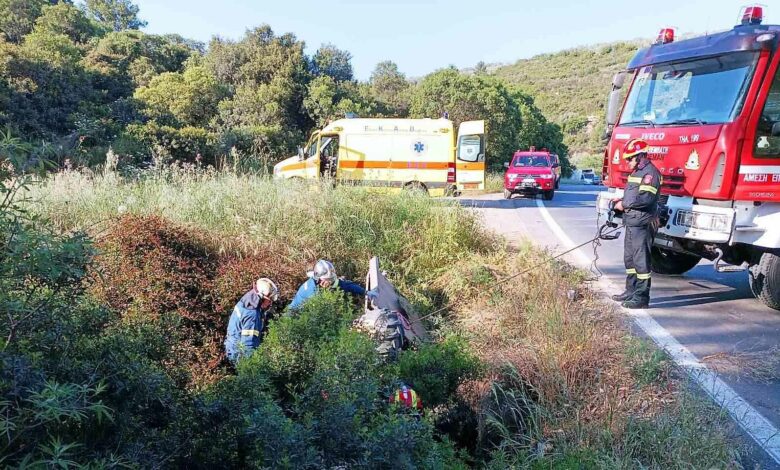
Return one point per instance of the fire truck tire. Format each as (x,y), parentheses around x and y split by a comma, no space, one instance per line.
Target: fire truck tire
(765,280)
(672,262)
(548,195)
(507,194)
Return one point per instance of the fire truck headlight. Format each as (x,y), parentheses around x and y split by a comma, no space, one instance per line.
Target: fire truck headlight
(547,177)
(512,176)
(703,221)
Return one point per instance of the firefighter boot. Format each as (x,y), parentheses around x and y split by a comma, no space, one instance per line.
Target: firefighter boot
(626,295)
(636,303)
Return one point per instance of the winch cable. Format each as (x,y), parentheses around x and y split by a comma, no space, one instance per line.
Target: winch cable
(602,235)
(607,231)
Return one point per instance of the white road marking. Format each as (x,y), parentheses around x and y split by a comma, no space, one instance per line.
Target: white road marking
(766,435)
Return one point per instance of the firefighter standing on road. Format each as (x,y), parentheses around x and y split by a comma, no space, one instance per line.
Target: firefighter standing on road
(640,212)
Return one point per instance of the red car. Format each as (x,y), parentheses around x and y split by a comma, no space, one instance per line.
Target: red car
(531,173)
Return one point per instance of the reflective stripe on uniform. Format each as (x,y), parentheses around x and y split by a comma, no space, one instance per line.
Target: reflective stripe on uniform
(649,189)
(631,271)
(634,179)
(250,332)
(643,277)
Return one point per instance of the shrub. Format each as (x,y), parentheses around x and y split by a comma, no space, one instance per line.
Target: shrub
(435,370)
(289,352)
(236,274)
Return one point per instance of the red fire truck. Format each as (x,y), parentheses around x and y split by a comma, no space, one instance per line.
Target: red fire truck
(710,109)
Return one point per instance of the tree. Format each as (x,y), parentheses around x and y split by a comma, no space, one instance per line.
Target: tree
(469,97)
(182,99)
(333,62)
(480,68)
(265,77)
(65,19)
(116,15)
(17,17)
(327,99)
(390,87)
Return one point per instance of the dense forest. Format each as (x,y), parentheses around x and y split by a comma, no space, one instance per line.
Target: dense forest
(571,87)
(84,78)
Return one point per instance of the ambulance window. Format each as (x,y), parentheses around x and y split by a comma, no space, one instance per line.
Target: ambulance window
(471,148)
(767,145)
(313,148)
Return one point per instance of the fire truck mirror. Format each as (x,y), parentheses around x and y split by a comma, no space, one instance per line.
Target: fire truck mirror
(776,129)
(613,107)
(618,80)
(506,164)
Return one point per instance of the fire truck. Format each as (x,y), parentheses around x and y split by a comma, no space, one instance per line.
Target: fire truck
(710,109)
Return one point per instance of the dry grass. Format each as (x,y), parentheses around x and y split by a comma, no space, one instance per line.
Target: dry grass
(592,386)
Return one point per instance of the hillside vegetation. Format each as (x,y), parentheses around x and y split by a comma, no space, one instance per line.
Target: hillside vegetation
(84,79)
(571,87)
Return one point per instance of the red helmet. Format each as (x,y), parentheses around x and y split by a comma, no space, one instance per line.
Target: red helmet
(634,147)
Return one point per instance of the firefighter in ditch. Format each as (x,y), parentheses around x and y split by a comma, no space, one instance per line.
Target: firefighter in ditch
(640,217)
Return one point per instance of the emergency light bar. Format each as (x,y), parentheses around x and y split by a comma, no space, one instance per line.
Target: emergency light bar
(665,36)
(752,15)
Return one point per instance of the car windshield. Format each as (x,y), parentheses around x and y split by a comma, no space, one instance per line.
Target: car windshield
(531,160)
(702,91)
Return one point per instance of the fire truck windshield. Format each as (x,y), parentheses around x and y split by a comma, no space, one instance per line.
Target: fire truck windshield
(702,91)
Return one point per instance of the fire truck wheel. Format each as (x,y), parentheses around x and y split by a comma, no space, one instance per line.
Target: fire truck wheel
(507,194)
(672,262)
(548,195)
(765,280)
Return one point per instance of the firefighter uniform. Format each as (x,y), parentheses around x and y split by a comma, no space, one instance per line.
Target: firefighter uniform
(640,205)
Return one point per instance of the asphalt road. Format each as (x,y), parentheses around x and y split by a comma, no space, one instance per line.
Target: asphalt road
(714,315)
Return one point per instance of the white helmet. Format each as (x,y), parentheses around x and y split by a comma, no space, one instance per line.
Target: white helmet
(323,271)
(267,289)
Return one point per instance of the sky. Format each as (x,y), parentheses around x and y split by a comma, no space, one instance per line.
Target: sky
(425,35)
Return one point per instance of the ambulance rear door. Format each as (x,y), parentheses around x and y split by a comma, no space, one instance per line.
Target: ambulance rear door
(470,156)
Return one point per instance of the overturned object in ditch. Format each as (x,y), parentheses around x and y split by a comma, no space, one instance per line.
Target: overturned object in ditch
(387,316)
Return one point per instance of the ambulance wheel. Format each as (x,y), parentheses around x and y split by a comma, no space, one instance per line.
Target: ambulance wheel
(507,194)
(671,262)
(765,280)
(548,195)
(416,187)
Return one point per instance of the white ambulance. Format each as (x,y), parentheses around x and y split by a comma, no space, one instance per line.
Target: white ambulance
(420,154)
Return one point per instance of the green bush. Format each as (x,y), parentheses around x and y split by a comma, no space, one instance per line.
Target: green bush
(289,352)
(435,370)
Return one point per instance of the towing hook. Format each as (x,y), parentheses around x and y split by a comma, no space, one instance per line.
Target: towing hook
(722,267)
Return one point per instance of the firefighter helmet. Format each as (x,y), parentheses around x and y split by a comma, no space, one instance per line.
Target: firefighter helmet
(324,271)
(267,289)
(634,147)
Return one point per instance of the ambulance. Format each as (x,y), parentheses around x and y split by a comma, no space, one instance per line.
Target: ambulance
(413,154)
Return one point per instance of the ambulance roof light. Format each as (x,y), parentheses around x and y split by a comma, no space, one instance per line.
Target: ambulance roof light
(752,15)
(665,36)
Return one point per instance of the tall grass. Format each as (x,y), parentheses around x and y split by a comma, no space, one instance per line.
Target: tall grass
(417,237)
(579,391)
(593,397)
